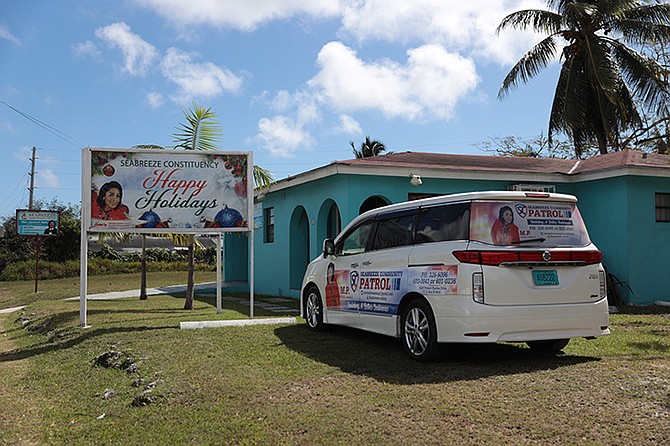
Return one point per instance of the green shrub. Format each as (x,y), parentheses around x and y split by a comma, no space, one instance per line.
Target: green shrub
(96,266)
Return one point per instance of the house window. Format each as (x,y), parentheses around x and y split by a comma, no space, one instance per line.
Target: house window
(663,207)
(269,225)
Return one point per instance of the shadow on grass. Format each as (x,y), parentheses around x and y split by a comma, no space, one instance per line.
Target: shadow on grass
(383,358)
(86,334)
(650,346)
(200,303)
(646,309)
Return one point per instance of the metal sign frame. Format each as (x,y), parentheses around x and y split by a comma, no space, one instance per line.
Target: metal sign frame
(171,180)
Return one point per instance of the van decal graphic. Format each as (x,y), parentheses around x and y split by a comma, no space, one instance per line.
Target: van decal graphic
(435,280)
(495,222)
(353,281)
(521,210)
(380,291)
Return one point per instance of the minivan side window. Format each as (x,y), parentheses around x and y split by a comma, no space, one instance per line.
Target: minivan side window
(356,240)
(441,223)
(394,231)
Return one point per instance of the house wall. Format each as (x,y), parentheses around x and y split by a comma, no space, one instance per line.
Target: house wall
(619,214)
(648,242)
(604,207)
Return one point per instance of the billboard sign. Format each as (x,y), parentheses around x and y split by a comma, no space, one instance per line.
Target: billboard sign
(167,191)
(44,223)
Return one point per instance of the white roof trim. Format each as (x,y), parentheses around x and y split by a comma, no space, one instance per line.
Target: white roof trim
(335,168)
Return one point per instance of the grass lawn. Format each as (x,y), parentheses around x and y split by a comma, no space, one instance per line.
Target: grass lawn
(274,384)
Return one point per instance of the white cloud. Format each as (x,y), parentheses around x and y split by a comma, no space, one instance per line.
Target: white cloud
(282,136)
(155,99)
(6,34)
(427,86)
(349,125)
(47,178)
(7,127)
(85,49)
(466,27)
(197,79)
(239,14)
(24,153)
(138,54)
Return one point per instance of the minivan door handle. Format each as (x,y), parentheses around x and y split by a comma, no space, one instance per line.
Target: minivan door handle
(354,265)
(367,263)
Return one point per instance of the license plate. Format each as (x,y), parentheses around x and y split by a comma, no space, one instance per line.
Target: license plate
(545,277)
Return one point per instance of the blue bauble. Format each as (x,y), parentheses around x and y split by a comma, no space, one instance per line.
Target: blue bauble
(228,217)
(151,218)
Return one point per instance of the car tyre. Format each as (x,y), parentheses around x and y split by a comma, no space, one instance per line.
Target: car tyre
(314,309)
(549,346)
(418,332)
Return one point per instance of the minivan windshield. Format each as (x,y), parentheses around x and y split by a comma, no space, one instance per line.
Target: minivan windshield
(523,223)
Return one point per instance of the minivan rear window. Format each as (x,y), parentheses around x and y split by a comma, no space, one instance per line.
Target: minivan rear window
(510,223)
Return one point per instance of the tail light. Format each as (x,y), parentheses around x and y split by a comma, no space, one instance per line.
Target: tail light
(496,258)
(603,284)
(478,288)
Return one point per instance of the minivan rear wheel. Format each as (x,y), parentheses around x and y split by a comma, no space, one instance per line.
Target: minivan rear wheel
(417,330)
(548,346)
(314,309)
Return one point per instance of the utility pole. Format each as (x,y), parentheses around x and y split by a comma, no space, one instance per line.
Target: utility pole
(32,180)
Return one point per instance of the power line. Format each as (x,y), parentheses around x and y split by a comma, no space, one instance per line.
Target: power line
(53,130)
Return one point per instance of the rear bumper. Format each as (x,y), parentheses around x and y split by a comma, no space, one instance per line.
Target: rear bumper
(462,320)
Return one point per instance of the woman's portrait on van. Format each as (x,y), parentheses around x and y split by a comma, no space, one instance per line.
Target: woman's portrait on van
(504,231)
(332,290)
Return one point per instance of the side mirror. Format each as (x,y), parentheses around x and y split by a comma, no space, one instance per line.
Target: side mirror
(328,247)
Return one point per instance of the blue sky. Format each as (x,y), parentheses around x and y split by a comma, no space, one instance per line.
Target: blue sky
(293,81)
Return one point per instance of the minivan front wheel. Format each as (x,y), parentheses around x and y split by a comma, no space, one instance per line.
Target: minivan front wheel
(417,330)
(314,309)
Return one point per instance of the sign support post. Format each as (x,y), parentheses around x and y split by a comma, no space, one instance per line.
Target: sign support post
(219,282)
(83,249)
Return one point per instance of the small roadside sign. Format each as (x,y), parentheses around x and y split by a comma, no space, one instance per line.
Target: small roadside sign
(37,223)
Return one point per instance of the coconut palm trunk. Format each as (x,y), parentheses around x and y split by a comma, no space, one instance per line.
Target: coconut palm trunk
(190,281)
(143,280)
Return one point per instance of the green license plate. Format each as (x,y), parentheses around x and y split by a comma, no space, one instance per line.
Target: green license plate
(545,277)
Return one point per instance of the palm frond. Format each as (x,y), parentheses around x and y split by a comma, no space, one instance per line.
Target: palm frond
(539,20)
(149,146)
(263,178)
(201,132)
(529,65)
(600,67)
(646,77)
(657,13)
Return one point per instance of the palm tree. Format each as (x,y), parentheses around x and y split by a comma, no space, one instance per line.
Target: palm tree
(604,84)
(201,132)
(368,148)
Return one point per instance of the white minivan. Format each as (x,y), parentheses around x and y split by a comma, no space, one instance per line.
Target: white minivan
(463,268)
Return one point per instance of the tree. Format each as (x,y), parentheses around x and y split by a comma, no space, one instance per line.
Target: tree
(604,85)
(368,148)
(201,132)
(538,147)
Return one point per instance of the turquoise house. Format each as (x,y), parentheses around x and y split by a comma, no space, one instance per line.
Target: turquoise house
(624,198)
